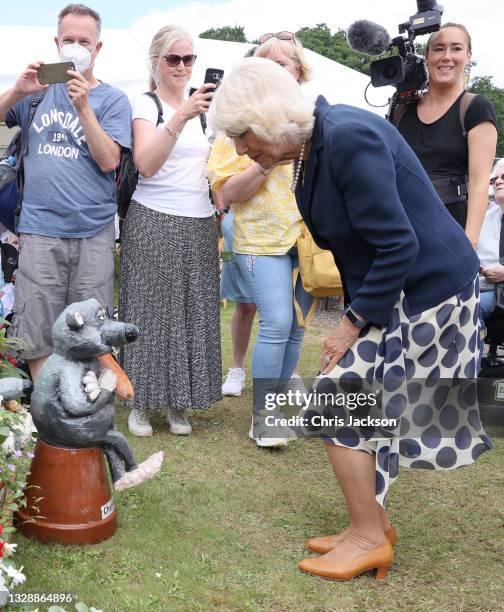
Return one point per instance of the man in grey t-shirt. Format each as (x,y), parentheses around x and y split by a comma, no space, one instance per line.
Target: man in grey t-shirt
(67,218)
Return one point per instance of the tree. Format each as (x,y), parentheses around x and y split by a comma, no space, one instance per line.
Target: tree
(483,85)
(230,33)
(334,46)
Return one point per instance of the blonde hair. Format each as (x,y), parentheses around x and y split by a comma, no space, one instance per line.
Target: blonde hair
(291,48)
(262,96)
(450,24)
(163,40)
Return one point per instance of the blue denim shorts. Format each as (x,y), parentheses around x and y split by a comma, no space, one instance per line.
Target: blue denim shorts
(233,285)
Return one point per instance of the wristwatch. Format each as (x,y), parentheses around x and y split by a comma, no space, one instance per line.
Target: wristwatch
(354,319)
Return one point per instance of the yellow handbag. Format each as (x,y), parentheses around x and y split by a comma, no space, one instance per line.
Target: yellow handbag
(319,275)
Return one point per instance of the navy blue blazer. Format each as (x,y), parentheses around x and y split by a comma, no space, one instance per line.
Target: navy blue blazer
(366,198)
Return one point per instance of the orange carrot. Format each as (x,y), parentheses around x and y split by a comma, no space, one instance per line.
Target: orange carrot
(124,389)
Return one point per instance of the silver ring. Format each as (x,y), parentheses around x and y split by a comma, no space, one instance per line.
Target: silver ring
(327,359)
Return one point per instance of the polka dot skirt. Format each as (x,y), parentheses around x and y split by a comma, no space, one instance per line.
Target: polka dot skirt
(424,369)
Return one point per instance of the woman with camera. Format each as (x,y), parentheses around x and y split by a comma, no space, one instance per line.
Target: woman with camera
(169,284)
(266,226)
(456,148)
(411,324)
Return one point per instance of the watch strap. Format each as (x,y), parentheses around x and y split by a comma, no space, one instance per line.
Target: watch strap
(354,319)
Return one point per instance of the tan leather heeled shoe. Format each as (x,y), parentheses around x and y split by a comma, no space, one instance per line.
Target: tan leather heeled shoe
(379,558)
(324,544)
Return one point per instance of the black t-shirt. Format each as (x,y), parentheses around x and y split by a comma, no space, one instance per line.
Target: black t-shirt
(441,146)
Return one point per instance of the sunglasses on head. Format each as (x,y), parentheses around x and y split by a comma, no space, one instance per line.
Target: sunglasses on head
(496,177)
(174,60)
(280,35)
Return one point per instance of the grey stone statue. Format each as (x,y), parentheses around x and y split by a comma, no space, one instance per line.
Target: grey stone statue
(72,401)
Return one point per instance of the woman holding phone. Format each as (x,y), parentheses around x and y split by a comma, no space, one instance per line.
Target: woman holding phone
(169,258)
(266,226)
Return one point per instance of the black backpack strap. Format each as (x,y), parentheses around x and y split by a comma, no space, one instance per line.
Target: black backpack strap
(159,107)
(35,101)
(465,102)
(399,111)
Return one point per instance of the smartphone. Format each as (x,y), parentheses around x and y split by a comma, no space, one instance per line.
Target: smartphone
(214,75)
(48,74)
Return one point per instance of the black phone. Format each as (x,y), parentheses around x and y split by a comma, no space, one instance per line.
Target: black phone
(214,75)
(48,74)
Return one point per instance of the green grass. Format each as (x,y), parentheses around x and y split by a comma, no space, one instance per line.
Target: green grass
(224,525)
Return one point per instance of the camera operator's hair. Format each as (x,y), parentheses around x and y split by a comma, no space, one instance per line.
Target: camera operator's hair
(81,10)
(163,40)
(291,48)
(261,96)
(450,25)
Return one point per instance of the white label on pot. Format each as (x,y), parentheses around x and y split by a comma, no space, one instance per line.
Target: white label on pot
(107,509)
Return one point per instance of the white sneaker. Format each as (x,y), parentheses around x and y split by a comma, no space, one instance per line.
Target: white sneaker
(139,424)
(298,389)
(267,442)
(296,384)
(235,382)
(178,422)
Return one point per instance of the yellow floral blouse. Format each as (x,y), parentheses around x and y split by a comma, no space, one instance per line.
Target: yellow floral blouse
(269,222)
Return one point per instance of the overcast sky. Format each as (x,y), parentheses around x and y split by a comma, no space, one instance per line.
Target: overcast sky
(484,18)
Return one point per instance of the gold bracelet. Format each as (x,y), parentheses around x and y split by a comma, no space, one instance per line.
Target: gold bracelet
(171,132)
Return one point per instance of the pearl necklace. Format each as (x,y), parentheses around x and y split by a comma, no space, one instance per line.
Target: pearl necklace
(296,168)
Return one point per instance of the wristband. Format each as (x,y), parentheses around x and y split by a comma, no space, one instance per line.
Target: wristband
(171,132)
(354,319)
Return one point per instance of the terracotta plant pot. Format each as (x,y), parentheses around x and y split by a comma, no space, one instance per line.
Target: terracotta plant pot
(69,500)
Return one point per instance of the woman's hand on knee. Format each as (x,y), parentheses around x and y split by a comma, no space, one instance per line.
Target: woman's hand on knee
(337,343)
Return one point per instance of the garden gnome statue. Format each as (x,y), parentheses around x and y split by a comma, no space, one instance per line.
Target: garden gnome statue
(72,402)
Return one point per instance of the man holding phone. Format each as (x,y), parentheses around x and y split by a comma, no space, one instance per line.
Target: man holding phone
(67,218)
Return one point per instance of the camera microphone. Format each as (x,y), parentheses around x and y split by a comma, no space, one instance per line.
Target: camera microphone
(367,37)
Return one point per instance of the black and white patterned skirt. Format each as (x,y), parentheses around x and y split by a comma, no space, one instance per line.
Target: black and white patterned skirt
(169,288)
(423,368)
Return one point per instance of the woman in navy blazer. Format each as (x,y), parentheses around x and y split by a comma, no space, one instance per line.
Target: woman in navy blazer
(410,329)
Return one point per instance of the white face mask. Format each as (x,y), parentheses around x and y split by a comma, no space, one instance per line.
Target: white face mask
(77,54)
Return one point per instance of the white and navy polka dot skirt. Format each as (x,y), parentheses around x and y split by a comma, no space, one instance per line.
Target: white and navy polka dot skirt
(423,367)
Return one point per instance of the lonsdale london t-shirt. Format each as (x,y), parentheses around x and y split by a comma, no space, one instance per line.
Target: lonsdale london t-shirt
(66,195)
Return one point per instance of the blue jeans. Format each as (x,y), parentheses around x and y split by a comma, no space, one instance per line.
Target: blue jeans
(486,307)
(278,343)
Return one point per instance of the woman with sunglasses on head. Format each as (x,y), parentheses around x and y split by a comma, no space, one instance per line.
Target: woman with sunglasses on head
(266,226)
(169,256)
(457,157)
(492,270)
